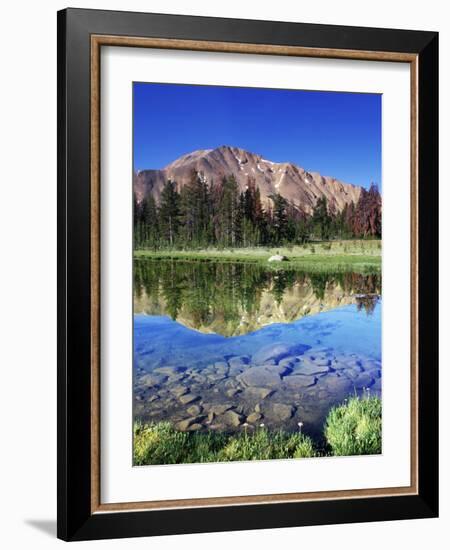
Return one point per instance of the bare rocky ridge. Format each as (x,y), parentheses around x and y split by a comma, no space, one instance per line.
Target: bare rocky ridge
(295,184)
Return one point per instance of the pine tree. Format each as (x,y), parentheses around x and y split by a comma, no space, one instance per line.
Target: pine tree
(321,218)
(149,227)
(279,218)
(303,228)
(227,214)
(261,236)
(374,214)
(250,200)
(136,222)
(367,219)
(169,213)
(196,211)
(349,221)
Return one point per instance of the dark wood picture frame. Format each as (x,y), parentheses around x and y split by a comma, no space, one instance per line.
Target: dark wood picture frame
(81,34)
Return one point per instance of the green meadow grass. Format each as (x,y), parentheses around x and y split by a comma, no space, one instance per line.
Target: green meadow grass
(351,428)
(355,255)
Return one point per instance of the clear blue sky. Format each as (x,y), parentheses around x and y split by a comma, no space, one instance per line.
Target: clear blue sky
(336,134)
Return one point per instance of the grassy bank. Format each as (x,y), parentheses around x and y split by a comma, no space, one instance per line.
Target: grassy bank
(356,255)
(350,429)
(355,428)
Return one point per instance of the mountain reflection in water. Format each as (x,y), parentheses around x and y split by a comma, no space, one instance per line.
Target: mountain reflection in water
(217,345)
(238,298)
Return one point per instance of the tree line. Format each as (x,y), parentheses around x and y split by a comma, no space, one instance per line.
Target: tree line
(206,214)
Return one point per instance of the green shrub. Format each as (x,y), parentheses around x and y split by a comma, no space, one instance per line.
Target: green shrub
(354,428)
(160,443)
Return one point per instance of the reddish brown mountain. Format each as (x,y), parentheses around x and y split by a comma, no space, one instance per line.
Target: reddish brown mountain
(295,184)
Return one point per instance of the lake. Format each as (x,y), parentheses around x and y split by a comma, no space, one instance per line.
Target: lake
(230,346)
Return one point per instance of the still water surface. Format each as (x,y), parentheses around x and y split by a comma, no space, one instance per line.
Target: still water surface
(274,347)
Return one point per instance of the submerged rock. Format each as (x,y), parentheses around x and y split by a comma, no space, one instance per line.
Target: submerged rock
(217,377)
(288,362)
(169,370)
(151,380)
(232,418)
(279,412)
(309,367)
(364,380)
(152,398)
(188,398)
(260,376)
(321,360)
(337,385)
(185,424)
(194,410)
(254,417)
(195,427)
(257,393)
(217,409)
(299,381)
(352,373)
(277,352)
(238,361)
(179,390)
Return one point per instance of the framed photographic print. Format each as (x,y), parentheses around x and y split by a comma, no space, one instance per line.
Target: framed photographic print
(247,251)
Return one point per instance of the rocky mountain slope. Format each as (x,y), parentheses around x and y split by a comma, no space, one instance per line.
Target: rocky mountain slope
(295,184)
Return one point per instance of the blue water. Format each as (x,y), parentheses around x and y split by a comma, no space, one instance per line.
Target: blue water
(158,340)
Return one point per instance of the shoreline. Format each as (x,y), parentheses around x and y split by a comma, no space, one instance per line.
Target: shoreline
(357,256)
(350,428)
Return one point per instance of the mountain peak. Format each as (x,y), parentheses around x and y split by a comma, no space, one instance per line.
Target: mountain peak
(233,149)
(301,188)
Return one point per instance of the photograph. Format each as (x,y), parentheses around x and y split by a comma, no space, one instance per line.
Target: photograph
(257,273)
(247,283)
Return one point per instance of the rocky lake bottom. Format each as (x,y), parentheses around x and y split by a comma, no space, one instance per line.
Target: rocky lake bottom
(280,375)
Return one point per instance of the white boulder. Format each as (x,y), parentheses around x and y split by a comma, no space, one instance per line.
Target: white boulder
(277,258)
